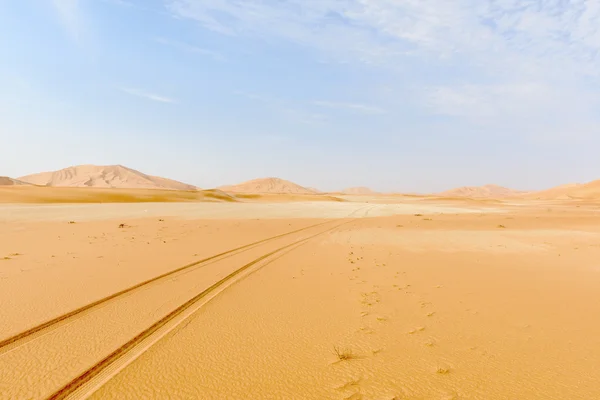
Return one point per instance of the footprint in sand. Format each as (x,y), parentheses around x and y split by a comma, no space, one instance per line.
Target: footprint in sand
(353,384)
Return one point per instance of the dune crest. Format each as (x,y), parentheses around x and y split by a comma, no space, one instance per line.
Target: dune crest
(267,185)
(486,191)
(108,176)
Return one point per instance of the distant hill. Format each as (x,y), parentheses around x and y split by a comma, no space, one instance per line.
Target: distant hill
(109,176)
(267,185)
(486,191)
(6,181)
(588,191)
(358,190)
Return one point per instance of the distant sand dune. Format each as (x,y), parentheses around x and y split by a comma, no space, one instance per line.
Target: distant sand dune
(358,190)
(110,176)
(486,191)
(583,191)
(40,194)
(268,185)
(44,194)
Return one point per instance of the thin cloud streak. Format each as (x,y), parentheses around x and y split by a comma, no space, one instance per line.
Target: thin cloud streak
(191,48)
(361,108)
(149,96)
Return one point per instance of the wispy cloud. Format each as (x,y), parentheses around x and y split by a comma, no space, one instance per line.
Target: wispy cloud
(478,60)
(122,3)
(361,108)
(146,95)
(70,16)
(191,48)
(527,31)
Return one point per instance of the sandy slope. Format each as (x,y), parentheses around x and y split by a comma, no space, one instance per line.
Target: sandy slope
(45,194)
(109,176)
(267,185)
(432,306)
(488,191)
(6,181)
(587,191)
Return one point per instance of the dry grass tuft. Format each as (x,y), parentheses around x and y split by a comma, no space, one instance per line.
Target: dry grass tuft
(443,370)
(343,354)
(501,226)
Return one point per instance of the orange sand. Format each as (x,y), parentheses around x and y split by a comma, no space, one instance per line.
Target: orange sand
(493,304)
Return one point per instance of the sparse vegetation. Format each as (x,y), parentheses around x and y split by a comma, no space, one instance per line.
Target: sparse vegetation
(418,215)
(443,370)
(501,226)
(343,354)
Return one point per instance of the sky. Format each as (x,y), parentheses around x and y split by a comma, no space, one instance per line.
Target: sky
(396,95)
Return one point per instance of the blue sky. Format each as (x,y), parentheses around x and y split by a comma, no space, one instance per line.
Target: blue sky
(412,95)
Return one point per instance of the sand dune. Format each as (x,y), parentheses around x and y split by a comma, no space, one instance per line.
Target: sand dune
(267,185)
(6,181)
(583,191)
(41,194)
(109,176)
(358,190)
(488,191)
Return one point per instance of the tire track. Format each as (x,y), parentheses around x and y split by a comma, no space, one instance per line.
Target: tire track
(39,330)
(86,378)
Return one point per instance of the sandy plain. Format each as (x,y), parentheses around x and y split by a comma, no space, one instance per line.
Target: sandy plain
(372,298)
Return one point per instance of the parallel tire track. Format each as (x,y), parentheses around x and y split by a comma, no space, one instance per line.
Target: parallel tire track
(97,369)
(29,334)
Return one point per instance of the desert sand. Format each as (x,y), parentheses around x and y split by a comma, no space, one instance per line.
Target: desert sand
(103,176)
(256,297)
